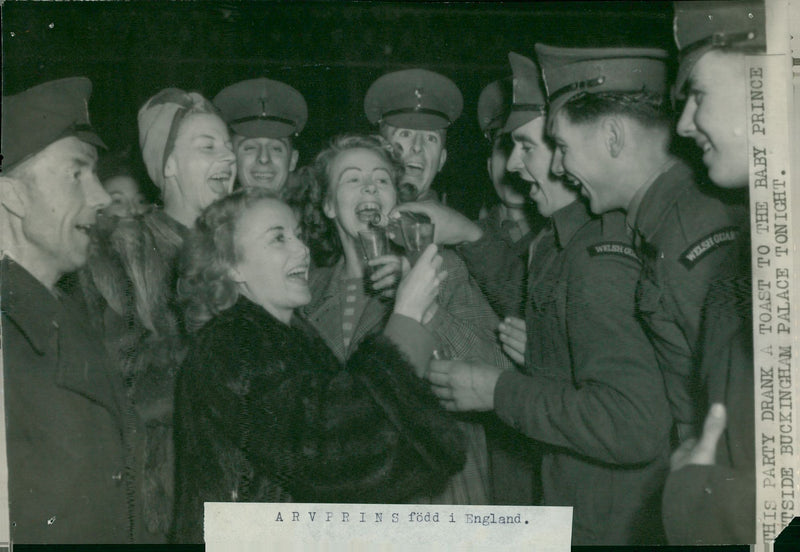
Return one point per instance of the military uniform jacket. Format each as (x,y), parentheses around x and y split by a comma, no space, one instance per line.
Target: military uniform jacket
(66,454)
(591,393)
(511,302)
(715,504)
(685,238)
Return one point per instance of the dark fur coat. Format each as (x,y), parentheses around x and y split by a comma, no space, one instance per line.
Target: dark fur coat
(264,412)
(128,286)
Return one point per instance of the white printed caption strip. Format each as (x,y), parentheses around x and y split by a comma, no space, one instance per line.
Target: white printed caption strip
(774,283)
(386,527)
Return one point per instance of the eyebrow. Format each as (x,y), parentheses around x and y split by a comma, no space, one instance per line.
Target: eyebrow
(204,136)
(83,160)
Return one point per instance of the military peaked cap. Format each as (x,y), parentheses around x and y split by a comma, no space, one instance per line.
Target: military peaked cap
(414,98)
(701,26)
(529,100)
(262,108)
(39,116)
(571,71)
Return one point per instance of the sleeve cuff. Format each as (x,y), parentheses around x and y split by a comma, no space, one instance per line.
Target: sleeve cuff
(413,340)
(508,385)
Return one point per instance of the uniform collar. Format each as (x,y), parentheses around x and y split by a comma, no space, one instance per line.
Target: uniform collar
(21,291)
(655,203)
(633,207)
(568,220)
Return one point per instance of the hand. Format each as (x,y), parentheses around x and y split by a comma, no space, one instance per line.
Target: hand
(703,451)
(451,227)
(514,338)
(462,385)
(418,289)
(386,272)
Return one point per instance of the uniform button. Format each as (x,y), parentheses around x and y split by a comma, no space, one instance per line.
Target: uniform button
(117,477)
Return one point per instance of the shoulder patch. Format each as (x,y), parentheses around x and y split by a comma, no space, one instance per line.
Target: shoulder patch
(612,248)
(705,245)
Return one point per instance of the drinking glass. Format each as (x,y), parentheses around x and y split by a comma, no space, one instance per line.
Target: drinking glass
(373,245)
(417,235)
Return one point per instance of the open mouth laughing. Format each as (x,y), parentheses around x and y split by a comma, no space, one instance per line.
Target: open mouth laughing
(414,169)
(368,211)
(263,176)
(219,182)
(299,273)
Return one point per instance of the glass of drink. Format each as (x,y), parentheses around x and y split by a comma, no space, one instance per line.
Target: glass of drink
(373,245)
(417,235)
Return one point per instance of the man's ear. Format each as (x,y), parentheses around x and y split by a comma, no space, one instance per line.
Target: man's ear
(293,162)
(12,197)
(442,159)
(613,135)
(488,167)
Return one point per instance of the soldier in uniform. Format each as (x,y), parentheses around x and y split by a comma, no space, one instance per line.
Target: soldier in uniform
(709,497)
(599,413)
(265,116)
(512,217)
(413,109)
(611,122)
(67,481)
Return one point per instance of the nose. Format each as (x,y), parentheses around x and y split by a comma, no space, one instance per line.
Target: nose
(300,248)
(96,196)
(226,154)
(416,143)
(263,154)
(557,164)
(370,185)
(514,162)
(686,126)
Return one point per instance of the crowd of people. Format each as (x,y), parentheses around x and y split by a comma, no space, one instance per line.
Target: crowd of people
(200,320)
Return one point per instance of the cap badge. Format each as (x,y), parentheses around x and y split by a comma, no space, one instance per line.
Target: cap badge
(263,101)
(418,95)
(579,86)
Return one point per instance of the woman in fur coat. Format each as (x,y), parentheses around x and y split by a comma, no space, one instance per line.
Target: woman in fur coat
(264,410)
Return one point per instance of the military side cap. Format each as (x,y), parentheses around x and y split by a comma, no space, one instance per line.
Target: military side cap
(571,71)
(701,26)
(529,100)
(494,103)
(39,116)
(262,108)
(414,98)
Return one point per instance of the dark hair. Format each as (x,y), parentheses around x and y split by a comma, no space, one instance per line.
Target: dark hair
(124,163)
(647,108)
(205,288)
(311,186)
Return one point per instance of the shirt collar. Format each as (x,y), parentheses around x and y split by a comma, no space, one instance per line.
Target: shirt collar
(521,224)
